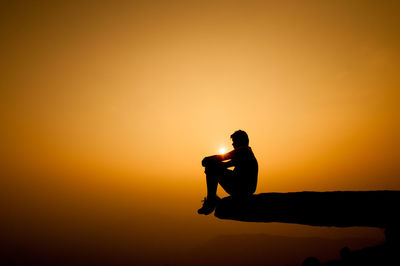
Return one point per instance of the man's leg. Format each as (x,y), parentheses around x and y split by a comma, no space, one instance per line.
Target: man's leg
(213,170)
(228,181)
(212,183)
(234,186)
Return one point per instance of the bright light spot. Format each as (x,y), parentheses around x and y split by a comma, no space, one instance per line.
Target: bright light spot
(222,150)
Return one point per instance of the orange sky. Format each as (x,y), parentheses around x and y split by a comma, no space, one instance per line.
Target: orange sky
(126,86)
(126,99)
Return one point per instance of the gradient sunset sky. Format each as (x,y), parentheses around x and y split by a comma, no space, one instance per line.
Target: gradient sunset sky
(125,86)
(115,103)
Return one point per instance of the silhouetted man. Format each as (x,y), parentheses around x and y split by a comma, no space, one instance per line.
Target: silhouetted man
(239,182)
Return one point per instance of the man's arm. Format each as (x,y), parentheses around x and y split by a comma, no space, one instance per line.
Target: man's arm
(228,164)
(220,158)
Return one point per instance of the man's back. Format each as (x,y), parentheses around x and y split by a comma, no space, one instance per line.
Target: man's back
(246,166)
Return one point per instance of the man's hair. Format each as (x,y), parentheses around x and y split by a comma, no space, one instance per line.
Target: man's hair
(240,138)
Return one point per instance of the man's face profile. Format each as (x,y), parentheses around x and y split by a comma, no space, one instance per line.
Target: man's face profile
(234,144)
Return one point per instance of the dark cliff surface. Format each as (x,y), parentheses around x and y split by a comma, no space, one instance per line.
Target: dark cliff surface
(336,208)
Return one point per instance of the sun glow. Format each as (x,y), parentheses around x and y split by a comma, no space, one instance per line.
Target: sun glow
(222,150)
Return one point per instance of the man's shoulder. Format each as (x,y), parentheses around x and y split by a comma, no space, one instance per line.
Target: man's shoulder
(245,151)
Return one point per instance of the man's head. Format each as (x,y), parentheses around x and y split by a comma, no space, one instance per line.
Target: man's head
(239,138)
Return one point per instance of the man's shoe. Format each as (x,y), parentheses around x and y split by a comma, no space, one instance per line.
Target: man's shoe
(208,205)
